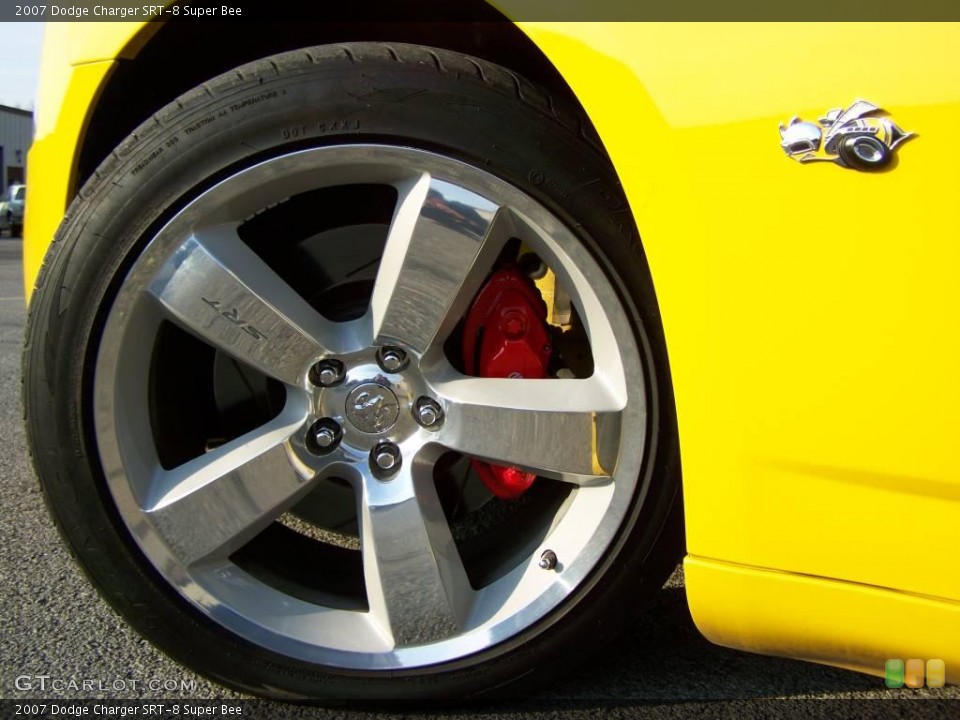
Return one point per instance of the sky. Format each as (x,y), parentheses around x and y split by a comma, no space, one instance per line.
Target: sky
(19,63)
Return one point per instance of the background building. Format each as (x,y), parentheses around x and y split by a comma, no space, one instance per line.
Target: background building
(16,134)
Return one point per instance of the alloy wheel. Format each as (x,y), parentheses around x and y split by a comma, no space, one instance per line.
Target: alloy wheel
(346,395)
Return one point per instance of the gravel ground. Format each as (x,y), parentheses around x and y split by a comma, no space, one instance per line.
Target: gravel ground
(54,624)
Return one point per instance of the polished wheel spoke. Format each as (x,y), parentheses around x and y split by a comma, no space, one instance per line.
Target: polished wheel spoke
(551,427)
(416,584)
(213,504)
(441,244)
(219,289)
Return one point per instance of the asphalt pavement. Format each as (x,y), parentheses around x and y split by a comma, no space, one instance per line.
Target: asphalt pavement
(55,625)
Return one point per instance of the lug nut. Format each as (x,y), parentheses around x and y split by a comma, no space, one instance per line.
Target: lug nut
(327,373)
(428,412)
(548,561)
(385,458)
(392,359)
(324,436)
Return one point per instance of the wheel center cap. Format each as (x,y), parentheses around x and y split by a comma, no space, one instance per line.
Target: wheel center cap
(372,408)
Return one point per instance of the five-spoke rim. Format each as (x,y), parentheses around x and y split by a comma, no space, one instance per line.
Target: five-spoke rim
(189,520)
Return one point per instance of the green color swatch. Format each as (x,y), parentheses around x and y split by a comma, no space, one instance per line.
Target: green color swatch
(894,673)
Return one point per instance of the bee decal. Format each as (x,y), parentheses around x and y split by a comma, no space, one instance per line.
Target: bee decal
(855,138)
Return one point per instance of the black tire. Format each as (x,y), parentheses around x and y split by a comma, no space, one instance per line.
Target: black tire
(395,94)
(865,152)
(16,231)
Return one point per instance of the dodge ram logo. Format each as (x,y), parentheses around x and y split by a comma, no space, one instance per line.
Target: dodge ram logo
(372,408)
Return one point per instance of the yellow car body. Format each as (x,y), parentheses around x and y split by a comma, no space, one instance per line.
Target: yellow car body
(809,310)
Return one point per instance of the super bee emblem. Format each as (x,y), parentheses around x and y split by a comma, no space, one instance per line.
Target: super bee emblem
(855,138)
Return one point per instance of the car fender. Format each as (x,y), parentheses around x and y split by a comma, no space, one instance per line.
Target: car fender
(805,309)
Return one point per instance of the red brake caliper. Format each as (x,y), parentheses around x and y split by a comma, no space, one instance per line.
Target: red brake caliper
(505,336)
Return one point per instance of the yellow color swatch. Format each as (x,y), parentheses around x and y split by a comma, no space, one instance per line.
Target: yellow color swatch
(936,673)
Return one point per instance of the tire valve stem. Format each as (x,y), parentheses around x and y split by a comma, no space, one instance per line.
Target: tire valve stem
(548,561)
